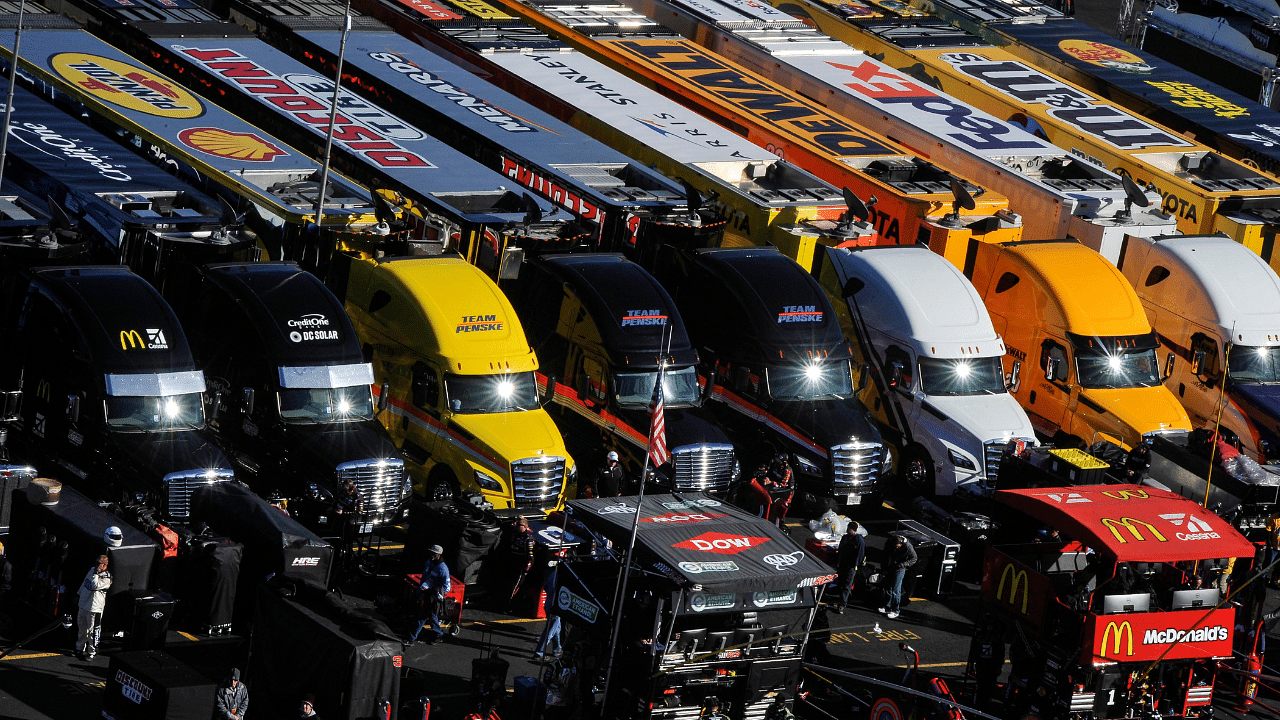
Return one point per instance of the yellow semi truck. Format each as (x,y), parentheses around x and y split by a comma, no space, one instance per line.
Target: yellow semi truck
(451,357)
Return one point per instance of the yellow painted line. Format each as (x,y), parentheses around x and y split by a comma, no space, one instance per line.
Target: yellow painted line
(189,636)
(31,656)
(938,665)
(918,599)
(387,547)
(502,622)
(888,505)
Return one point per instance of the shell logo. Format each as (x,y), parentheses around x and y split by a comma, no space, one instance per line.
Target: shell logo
(228,144)
(128,86)
(1105,55)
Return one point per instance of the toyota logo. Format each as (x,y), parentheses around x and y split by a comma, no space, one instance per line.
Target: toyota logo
(784,561)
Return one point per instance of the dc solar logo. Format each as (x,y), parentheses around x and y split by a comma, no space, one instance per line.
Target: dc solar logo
(781,561)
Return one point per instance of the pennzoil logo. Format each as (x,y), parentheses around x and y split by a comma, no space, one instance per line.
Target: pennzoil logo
(126,85)
(1020,580)
(132,340)
(1104,55)
(227,144)
(478,323)
(1135,532)
(1117,633)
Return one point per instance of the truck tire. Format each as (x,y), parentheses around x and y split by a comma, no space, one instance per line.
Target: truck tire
(441,485)
(917,472)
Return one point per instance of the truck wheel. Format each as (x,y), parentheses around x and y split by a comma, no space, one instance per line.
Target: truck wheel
(917,471)
(441,485)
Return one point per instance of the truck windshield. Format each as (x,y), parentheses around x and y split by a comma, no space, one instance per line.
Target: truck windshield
(966,376)
(1131,369)
(810,381)
(326,405)
(1254,365)
(479,394)
(679,387)
(171,412)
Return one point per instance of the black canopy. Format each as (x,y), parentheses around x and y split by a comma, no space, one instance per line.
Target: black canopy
(696,539)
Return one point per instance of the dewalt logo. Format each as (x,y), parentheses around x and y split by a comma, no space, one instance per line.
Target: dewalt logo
(1131,524)
(1123,633)
(1020,580)
(133,340)
(1126,494)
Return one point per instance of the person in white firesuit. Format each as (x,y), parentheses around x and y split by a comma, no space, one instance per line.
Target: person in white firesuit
(93,599)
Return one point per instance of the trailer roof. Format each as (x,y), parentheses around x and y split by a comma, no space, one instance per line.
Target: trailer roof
(1131,523)
(694,539)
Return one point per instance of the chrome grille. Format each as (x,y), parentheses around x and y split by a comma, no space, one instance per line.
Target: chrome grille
(707,467)
(993,451)
(380,482)
(537,481)
(179,486)
(856,465)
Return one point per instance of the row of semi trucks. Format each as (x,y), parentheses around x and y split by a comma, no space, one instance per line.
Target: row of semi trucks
(777,378)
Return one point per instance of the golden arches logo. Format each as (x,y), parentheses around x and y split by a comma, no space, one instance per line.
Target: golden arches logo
(1126,494)
(1131,524)
(130,339)
(1120,630)
(1019,579)
(42,389)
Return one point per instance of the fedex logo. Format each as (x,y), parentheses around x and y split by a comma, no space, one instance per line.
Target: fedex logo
(721,543)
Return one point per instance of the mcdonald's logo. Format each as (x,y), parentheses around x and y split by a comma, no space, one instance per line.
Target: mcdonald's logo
(1131,524)
(42,389)
(1126,494)
(130,339)
(1019,579)
(1120,630)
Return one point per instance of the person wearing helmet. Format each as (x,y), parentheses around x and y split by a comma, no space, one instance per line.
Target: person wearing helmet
(612,479)
(93,599)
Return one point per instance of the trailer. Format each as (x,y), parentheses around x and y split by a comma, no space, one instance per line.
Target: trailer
(915,199)
(1055,193)
(719,604)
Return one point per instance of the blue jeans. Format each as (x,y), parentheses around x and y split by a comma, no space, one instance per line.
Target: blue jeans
(550,640)
(895,590)
(431,605)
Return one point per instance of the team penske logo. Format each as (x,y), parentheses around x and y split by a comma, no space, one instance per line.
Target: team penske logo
(133,340)
(800,314)
(721,543)
(1104,55)
(360,127)
(1127,528)
(478,323)
(126,85)
(634,318)
(228,144)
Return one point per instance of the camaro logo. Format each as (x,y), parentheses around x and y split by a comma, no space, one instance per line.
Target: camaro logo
(1122,631)
(780,561)
(126,85)
(1131,524)
(721,543)
(227,144)
(1019,580)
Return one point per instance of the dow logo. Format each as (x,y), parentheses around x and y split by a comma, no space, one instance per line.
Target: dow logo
(721,543)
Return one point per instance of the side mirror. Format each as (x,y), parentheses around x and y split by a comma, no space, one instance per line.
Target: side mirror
(895,375)
(246,400)
(709,388)
(384,393)
(861,380)
(509,266)
(10,405)
(1197,362)
(73,408)
(1051,369)
(1015,377)
(1168,367)
(216,406)
(455,405)
(549,391)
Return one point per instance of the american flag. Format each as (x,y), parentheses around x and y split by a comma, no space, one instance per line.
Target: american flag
(657,428)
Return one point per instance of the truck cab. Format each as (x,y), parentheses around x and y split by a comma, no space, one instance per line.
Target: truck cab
(939,390)
(462,401)
(770,345)
(295,410)
(602,326)
(112,393)
(1080,356)
(1215,305)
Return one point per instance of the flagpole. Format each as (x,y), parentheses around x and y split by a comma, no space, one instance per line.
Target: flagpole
(333,117)
(620,590)
(13,77)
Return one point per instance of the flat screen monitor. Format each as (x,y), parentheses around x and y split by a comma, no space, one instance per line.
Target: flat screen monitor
(1184,599)
(718,641)
(689,640)
(1137,602)
(745,639)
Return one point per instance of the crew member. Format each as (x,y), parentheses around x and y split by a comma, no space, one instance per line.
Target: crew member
(755,496)
(711,710)
(849,557)
(232,698)
(349,499)
(6,575)
(521,549)
(93,599)
(612,479)
(778,709)
(435,586)
(901,557)
(307,711)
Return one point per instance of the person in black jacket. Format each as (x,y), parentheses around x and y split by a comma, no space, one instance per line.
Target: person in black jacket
(849,557)
(901,557)
(611,479)
(231,699)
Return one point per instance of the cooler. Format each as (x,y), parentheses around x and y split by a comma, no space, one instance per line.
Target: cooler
(826,551)
(151,614)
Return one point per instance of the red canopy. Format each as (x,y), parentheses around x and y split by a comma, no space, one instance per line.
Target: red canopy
(1132,523)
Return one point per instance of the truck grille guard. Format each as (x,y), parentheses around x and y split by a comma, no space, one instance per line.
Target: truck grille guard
(179,486)
(855,466)
(702,468)
(380,482)
(538,481)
